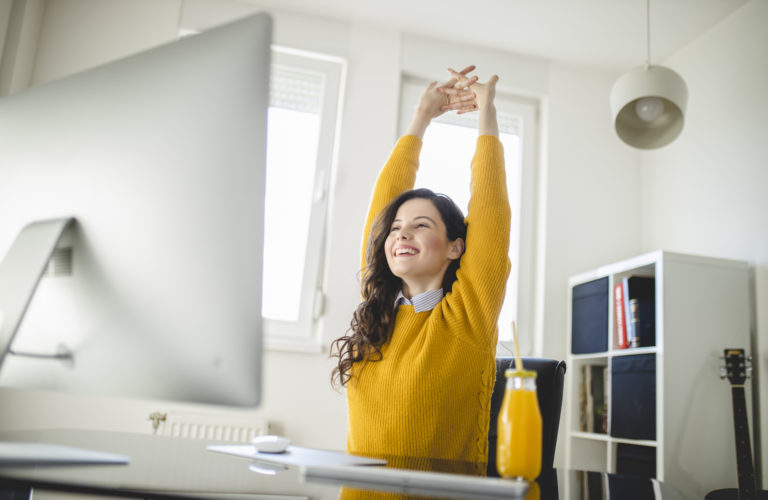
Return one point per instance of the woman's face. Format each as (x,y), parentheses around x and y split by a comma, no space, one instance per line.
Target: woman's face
(417,247)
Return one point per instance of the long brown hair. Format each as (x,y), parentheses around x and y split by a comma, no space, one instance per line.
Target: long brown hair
(373,320)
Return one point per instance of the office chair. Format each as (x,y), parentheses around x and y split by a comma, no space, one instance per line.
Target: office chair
(549,385)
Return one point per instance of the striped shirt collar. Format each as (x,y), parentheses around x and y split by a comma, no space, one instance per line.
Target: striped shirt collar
(422,302)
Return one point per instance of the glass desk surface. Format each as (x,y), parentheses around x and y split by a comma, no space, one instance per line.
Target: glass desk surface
(169,467)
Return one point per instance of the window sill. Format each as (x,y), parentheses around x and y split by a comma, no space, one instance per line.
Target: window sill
(310,346)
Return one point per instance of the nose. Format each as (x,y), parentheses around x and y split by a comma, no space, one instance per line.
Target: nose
(402,234)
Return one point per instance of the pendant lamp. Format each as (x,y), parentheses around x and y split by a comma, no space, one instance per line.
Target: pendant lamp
(648,102)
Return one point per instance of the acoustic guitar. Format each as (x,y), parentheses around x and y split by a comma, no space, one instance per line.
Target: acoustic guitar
(736,372)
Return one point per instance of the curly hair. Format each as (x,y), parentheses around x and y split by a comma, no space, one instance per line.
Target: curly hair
(373,320)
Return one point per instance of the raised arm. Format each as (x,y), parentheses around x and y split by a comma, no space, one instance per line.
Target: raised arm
(399,173)
(484,95)
(484,268)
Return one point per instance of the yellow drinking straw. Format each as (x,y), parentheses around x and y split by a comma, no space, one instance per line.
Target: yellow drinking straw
(519,360)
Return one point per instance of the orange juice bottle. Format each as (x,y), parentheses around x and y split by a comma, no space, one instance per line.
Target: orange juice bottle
(518,452)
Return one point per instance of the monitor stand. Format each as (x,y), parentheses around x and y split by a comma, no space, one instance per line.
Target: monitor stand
(20,272)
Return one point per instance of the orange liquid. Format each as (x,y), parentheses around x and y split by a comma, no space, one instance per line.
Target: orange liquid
(533,492)
(519,441)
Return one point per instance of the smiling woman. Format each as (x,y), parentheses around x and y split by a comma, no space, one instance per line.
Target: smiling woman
(418,376)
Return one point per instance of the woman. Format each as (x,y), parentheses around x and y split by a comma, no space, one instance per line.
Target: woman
(418,361)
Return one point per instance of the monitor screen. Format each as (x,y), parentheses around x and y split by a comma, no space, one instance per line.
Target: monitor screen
(155,287)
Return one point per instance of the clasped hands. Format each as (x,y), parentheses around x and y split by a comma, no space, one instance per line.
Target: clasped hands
(461,93)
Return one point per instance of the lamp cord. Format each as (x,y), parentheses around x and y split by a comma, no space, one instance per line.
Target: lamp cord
(179,18)
(648,33)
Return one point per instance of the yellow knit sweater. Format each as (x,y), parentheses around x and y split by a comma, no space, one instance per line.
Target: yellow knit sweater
(429,395)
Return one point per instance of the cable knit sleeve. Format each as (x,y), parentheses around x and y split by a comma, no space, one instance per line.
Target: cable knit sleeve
(477,295)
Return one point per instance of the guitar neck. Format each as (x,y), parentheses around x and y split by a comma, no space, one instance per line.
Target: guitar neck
(747,484)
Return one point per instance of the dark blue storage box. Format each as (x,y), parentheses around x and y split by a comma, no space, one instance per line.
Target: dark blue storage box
(633,397)
(630,488)
(589,317)
(634,460)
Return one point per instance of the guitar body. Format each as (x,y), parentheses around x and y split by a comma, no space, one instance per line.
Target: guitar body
(733,494)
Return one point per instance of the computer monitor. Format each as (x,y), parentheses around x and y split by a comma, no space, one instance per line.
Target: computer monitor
(155,165)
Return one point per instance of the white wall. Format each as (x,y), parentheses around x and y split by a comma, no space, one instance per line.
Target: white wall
(593,202)
(79,34)
(589,183)
(707,193)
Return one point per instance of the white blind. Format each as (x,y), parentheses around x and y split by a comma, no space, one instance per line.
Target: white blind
(296,89)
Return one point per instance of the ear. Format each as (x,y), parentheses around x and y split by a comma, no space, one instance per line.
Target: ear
(457,248)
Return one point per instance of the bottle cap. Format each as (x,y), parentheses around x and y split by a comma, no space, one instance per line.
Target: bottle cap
(513,372)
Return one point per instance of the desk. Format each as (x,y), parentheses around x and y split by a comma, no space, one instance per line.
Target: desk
(178,468)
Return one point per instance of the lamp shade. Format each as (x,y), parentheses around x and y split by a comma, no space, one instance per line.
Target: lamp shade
(648,106)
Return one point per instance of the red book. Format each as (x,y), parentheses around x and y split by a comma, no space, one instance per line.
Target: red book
(620,315)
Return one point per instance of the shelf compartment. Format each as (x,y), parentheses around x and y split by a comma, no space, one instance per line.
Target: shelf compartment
(633,397)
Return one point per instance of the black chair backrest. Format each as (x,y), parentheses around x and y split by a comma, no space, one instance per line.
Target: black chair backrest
(549,385)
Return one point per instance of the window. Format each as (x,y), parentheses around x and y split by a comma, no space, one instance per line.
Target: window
(446,154)
(303,112)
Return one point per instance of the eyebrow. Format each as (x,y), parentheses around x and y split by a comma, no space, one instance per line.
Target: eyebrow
(417,218)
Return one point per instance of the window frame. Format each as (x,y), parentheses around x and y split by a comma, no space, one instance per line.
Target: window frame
(303,335)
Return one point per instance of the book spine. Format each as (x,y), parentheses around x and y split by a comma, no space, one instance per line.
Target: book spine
(634,326)
(598,397)
(590,416)
(620,315)
(606,399)
(583,402)
(627,311)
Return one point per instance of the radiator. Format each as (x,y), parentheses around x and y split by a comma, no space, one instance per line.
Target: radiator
(209,426)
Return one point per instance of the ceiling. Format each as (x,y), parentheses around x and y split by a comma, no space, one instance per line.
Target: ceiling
(597,33)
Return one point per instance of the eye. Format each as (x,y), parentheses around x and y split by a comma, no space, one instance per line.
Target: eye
(394,228)
(421,224)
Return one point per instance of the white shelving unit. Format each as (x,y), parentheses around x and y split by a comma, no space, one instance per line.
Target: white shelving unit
(702,307)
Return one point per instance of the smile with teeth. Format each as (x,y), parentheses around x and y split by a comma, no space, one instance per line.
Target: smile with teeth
(405,251)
